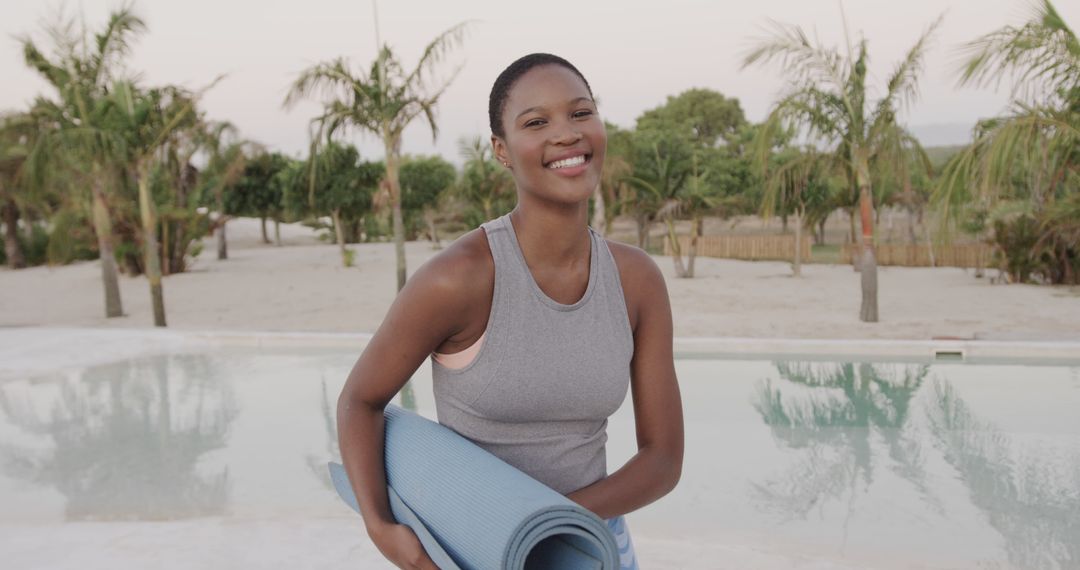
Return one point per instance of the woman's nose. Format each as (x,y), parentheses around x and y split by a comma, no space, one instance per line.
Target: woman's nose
(566,134)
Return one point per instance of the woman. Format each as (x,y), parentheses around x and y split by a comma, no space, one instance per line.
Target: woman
(536,325)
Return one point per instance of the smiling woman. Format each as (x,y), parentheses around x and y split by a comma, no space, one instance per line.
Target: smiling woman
(551,117)
(536,325)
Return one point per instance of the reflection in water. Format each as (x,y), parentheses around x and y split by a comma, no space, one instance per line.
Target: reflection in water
(1031,498)
(833,412)
(408,397)
(125,438)
(317,463)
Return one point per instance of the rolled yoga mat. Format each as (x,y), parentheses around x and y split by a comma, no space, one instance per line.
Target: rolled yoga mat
(471,510)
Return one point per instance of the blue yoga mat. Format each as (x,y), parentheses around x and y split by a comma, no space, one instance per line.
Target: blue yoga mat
(471,510)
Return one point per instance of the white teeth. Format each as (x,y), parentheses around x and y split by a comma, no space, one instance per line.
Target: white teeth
(573,161)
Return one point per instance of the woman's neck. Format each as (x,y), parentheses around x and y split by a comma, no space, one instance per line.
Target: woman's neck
(552,236)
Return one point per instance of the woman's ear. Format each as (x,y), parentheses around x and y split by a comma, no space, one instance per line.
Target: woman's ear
(498,147)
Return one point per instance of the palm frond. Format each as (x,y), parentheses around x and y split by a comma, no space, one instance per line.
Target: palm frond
(328,80)
(114,42)
(1042,54)
(436,51)
(817,114)
(800,59)
(902,89)
(56,75)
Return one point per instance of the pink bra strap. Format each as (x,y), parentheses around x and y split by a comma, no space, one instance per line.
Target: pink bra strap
(461,359)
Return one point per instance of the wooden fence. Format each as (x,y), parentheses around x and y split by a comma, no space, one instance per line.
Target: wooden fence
(960,255)
(744,247)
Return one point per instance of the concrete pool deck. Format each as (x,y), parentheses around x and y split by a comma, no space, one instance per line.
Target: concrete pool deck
(33,350)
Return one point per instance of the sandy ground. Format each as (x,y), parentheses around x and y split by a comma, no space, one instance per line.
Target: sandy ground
(303,287)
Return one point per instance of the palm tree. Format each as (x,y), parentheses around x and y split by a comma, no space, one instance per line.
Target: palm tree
(799,179)
(383,101)
(485,186)
(227,157)
(659,173)
(150,119)
(16,130)
(614,192)
(827,100)
(1029,158)
(81,72)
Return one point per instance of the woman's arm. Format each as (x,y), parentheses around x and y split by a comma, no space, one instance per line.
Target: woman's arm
(431,308)
(657,466)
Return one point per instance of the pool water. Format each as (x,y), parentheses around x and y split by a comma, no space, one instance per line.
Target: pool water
(845,464)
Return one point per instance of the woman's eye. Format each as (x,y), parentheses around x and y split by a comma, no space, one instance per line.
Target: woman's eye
(582,113)
(534,123)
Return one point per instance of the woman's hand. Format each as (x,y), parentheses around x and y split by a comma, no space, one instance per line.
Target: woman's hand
(398,543)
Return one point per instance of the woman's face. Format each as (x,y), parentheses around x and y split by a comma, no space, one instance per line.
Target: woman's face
(555,140)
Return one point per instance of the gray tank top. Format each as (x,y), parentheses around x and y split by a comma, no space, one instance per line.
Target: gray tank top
(547,376)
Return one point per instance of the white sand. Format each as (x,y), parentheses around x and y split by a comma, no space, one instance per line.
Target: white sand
(303,287)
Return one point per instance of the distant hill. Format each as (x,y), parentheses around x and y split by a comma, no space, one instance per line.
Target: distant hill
(939,155)
(942,134)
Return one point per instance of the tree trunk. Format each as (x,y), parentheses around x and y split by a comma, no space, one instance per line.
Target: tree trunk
(222,247)
(150,247)
(175,258)
(103,229)
(28,221)
(796,266)
(676,250)
(820,238)
(598,211)
(854,237)
(277,232)
(610,200)
(642,231)
(869,310)
(696,227)
(911,225)
(339,233)
(783,223)
(433,230)
(392,160)
(164,251)
(930,246)
(262,226)
(10,214)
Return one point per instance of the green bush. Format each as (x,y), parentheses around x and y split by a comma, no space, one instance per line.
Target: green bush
(72,239)
(1039,249)
(63,245)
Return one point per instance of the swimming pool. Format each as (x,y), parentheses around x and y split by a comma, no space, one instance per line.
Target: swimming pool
(213,457)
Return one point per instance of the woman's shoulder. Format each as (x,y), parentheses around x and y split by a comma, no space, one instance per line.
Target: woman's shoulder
(642,281)
(456,271)
(636,267)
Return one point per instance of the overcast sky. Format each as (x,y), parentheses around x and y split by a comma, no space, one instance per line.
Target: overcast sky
(633,53)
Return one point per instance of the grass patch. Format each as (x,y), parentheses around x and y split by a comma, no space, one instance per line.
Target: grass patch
(825,254)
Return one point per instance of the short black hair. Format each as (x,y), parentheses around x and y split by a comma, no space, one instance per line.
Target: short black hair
(505,81)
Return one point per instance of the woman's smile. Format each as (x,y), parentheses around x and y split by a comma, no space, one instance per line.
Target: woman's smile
(570,166)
